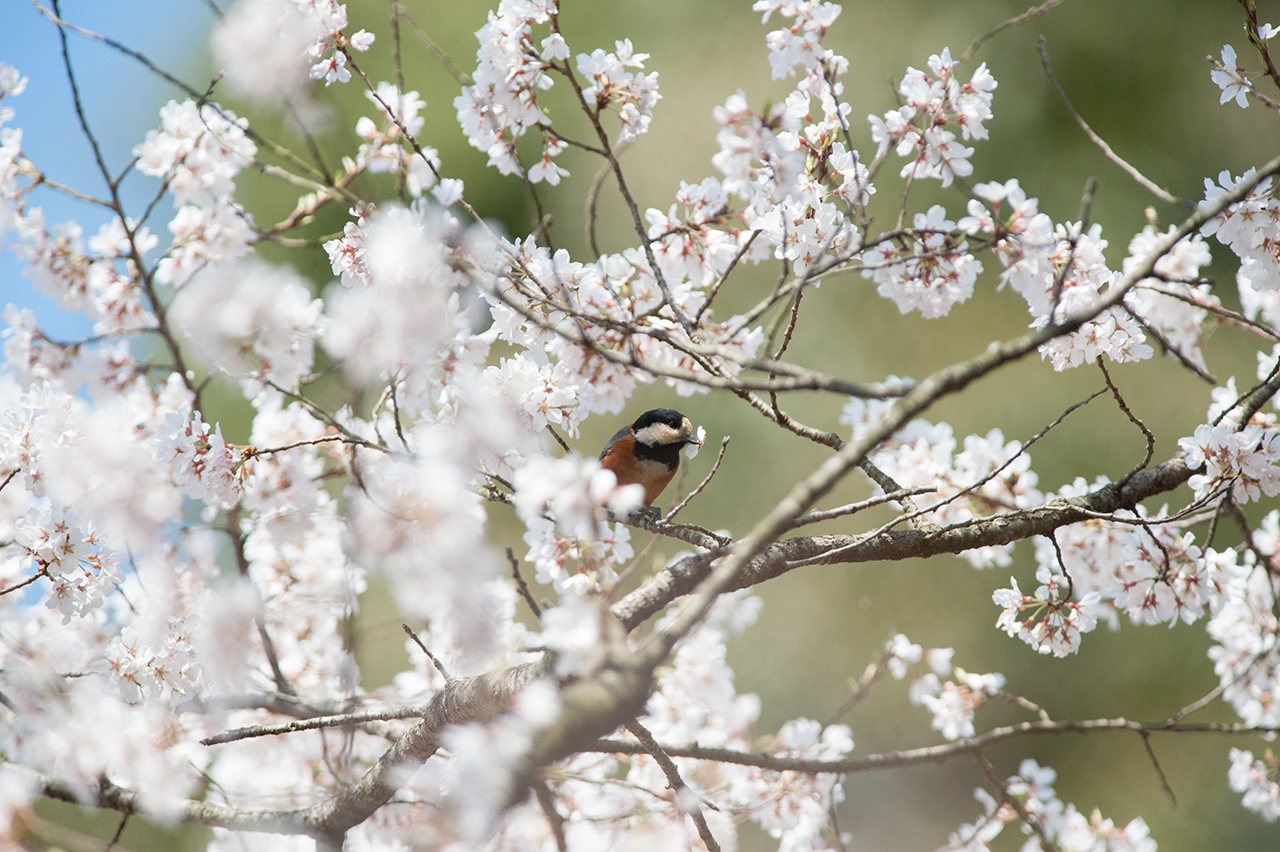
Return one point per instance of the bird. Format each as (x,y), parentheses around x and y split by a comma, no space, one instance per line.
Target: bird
(648,451)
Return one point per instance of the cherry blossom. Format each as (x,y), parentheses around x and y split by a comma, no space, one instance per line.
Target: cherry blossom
(932,101)
(250,319)
(1246,460)
(1172,302)
(931,272)
(263,48)
(1057,821)
(197,151)
(502,105)
(800,45)
(1247,656)
(1052,625)
(1230,78)
(953,703)
(1249,230)
(200,494)
(1255,779)
(981,475)
(610,83)
(202,463)
(386,147)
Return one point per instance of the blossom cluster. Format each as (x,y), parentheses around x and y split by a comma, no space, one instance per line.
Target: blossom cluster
(198,151)
(1176,301)
(791,164)
(799,46)
(928,270)
(11,83)
(1055,621)
(572,314)
(1156,574)
(271,48)
(502,105)
(400,312)
(1256,779)
(1246,461)
(612,82)
(1061,272)
(566,506)
(973,478)
(933,101)
(202,463)
(386,142)
(1135,564)
(952,702)
(1245,627)
(1060,823)
(1249,228)
(97,276)
(618,801)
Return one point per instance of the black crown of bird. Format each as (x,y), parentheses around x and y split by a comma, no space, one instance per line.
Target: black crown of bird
(648,451)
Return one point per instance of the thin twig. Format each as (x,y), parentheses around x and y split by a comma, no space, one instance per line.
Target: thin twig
(676,784)
(887,484)
(1155,761)
(395,414)
(1133,418)
(115,838)
(235,532)
(315,723)
(872,673)
(913,513)
(1017,20)
(1225,315)
(325,417)
(522,586)
(593,193)
(933,754)
(611,155)
(724,276)
(43,572)
(1156,190)
(859,506)
(456,71)
(724,444)
(1251,29)
(254,452)
(1028,819)
(793,318)
(1167,345)
(430,656)
(553,433)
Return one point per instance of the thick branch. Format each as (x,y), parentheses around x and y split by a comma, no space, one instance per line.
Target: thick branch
(471,699)
(895,545)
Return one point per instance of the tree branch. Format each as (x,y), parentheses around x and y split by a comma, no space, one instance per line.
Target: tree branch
(936,754)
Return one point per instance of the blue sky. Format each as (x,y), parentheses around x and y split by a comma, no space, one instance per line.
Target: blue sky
(122,99)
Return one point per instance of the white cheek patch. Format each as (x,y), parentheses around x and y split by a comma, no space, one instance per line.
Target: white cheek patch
(658,434)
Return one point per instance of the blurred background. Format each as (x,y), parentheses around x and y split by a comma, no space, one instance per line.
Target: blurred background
(1138,73)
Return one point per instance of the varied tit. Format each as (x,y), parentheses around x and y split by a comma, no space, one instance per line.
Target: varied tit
(648,451)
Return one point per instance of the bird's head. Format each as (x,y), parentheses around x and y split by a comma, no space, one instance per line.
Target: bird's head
(663,427)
